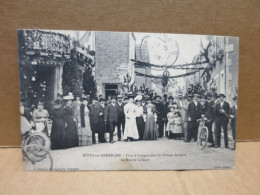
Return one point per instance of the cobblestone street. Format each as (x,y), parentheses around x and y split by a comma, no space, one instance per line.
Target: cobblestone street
(161,154)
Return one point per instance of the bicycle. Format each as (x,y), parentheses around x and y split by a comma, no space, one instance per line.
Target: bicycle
(203,133)
(36,137)
(36,146)
(31,152)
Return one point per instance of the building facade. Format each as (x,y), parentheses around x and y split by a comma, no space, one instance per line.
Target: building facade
(114,51)
(142,54)
(224,74)
(42,57)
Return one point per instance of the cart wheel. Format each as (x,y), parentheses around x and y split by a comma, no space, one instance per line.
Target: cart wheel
(44,162)
(203,137)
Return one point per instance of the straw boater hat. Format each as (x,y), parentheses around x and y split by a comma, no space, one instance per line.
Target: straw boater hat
(85,97)
(70,96)
(119,97)
(131,95)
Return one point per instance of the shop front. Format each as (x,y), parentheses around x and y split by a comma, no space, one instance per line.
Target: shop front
(41,59)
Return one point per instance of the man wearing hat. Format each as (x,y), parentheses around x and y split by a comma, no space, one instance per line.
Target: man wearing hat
(111,118)
(160,115)
(121,116)
(233,122)
(94,114)
(185,106)
(210,116)
(222,109)
(102,126)
(193,114)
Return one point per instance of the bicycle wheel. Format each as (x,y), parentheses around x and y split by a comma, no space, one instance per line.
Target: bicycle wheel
(38,139)
(44,162)
(203,137)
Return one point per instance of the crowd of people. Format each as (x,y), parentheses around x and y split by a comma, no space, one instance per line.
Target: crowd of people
(77,121)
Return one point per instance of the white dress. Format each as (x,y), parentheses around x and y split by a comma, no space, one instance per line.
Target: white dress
(131,130)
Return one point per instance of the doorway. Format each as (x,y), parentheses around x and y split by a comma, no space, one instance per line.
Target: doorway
(111,90)
(45,82)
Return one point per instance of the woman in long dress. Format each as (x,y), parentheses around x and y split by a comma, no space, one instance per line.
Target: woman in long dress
(85,133)
(58,126)
(151,131)
(140,119)
(131,131)
(71,138)
(76,106)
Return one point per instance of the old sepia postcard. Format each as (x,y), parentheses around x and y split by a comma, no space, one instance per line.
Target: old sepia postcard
(96,100)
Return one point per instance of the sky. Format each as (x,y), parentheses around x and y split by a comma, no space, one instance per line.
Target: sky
(188,47)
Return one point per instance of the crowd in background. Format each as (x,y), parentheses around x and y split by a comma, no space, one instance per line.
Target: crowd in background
(76,121)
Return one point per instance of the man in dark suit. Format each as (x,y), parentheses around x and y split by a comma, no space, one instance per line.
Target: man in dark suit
(95,111)
(111,117)
(221,111)
(160,115)
(102,128)
(121,116)
(185,105)
(193,114)
(210,116)
(233,124)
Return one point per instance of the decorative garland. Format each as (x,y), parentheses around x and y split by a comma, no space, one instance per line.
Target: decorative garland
(180,66)
(170,77)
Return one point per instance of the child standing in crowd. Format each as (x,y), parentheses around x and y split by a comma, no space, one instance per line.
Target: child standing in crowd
(151,131)
(170,124)
(177,128)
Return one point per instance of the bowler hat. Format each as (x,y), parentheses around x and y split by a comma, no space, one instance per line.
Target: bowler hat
(215,95)
(158,97)
(235,97)
(222,95)
(101,100)
(171,98)
(113,97)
